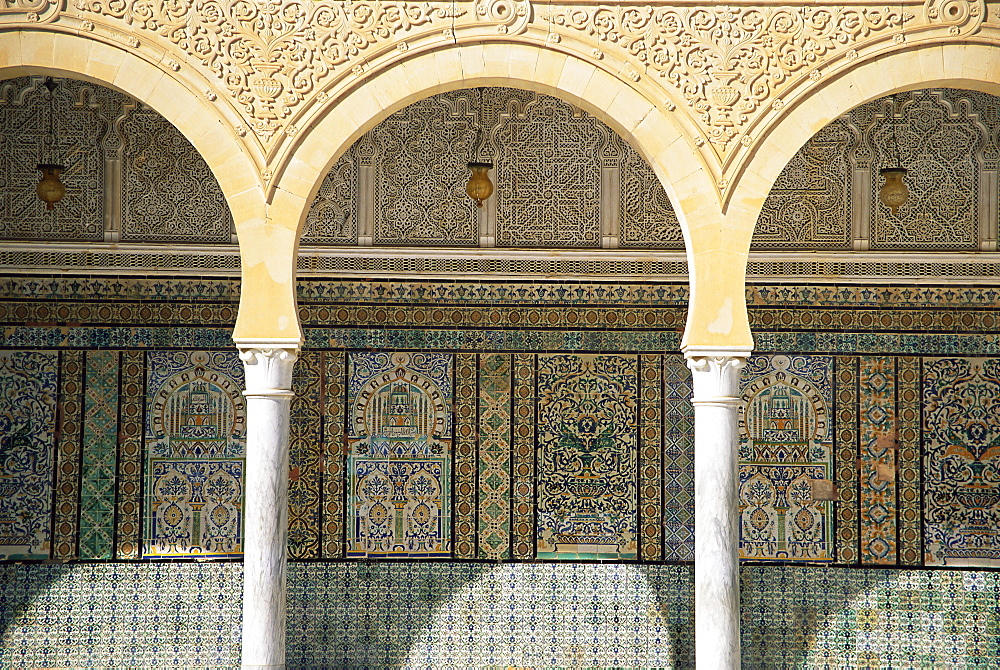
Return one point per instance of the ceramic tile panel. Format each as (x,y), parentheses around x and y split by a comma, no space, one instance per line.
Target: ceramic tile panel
(100,452)
(305,457)
(651,456)
(483,615)
(848,537)
(465,506)
(523,494)
(129,500)
(462,615)
(400,437)
(67,475)
(28,400)
(961,436)
(334,452)
(908,450)
(810,617)
(195,454)
(678,460)
(786,443)
(120,615)
(878,431)
(494,483)
(587,447)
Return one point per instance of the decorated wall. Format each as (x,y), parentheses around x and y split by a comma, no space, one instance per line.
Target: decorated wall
(470,458)
(402,184)
(499,421)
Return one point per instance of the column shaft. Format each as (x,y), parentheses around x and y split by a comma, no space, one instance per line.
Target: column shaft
(716,501)
(268,375)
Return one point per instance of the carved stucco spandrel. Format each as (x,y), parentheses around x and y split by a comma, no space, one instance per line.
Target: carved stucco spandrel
(728,63)
(274,58)
(29,11)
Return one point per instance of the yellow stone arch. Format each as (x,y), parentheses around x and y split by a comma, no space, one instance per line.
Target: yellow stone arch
(63,54)
(153,82)
(620,103)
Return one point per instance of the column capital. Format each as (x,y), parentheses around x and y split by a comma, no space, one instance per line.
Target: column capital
(268,365)
(716,374)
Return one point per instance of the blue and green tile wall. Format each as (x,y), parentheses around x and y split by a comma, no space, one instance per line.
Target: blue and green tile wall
(499,422)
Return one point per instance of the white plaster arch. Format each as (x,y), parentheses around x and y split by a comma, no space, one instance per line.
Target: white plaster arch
(598,89)
(268,274)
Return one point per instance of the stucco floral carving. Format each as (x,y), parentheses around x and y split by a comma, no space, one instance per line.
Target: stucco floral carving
(32,11)
(727,62)
(272,56)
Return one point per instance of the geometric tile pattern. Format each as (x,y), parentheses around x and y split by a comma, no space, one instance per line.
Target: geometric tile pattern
(878,438)
(786,445)
(678,460)
(847,459)
(129,478)
(465,456)
(494,456)
(482,615)
(120,615)
(651,456)
(352,615)
(67,480)
(811,617)
(586,456)
(305,457)
(334,451)
(100,452)
(27,441)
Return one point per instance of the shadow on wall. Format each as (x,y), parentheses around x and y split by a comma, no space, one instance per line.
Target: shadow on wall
(20,586)
(418,615)
(121,615)
(795,617)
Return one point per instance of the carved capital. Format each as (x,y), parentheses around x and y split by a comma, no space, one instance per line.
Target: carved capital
(716,378)
(268,368)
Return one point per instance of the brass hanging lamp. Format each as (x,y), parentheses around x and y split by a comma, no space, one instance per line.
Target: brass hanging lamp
(50,189)
(479,187)
(894,193)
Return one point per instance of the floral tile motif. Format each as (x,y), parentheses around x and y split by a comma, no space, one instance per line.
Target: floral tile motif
(961,398)
(399,463)
(196,450)
(28,393)
(587,456)
(786,443)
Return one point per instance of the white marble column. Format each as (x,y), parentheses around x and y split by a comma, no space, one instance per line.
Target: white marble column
(716,376)
(268,367)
